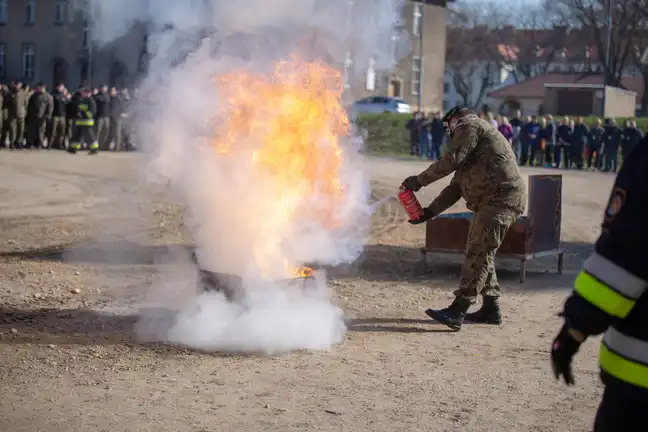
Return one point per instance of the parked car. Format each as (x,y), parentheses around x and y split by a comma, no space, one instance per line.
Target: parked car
(380,105)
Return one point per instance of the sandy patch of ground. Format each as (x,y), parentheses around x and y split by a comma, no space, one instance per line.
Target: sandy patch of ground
(67,367)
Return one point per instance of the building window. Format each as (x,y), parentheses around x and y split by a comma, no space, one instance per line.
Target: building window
(61,11)
(417,21)
(4,11)
(370,78)
(30,11)
(28,61)
(86,34)
(394,48)
(415,82)
(2,61)
(348,62)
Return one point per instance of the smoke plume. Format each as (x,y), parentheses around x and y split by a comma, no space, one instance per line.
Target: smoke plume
(241,114)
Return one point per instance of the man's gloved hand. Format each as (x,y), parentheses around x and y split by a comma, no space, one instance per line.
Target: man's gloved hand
(563,349)
(427,215)
(412,183)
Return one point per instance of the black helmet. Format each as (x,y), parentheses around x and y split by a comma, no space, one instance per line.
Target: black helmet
(453,112)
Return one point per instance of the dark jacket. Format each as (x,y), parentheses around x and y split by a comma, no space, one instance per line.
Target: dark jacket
(59,104)
(532,132)
(630,139)
(580,133)
(102,101)
(610,292)
(595,139)
(437,130)
(611,138)
(564,135)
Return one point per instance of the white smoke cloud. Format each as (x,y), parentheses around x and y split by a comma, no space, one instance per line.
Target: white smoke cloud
(232,207)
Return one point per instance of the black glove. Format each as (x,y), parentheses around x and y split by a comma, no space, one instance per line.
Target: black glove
(563,349)
(412,183)
(427,215)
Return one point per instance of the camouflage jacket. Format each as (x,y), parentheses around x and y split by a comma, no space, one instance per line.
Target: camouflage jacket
(485,167)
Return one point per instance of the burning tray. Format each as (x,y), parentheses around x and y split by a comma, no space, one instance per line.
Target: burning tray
(231,285)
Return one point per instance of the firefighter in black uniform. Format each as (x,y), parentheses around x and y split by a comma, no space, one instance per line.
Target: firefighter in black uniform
(611,296)
(83,110)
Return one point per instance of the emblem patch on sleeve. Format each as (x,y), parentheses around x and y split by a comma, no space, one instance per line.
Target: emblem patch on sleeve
(617,199)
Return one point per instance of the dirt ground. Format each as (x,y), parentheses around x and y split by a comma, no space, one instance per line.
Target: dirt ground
(67,365)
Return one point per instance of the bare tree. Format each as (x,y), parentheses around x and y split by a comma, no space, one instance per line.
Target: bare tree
(472,57)
(536,42)
(593,19)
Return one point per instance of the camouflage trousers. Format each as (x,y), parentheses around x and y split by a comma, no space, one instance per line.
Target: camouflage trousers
(487,230)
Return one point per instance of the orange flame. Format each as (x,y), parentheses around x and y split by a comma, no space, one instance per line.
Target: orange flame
(302,272)
(290,123)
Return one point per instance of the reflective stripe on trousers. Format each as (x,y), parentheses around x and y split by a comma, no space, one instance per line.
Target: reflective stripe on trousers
(84,122)
(625,358)
(608,286)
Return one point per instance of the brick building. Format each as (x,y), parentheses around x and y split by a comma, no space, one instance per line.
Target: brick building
(50,41)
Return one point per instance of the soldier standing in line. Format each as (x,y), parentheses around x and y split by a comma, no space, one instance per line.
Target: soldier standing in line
(39,111)
(3,115)
(69,116)
(59,104)
(16,111)
(84,109)
(102,117)
(487,176)
(117,115)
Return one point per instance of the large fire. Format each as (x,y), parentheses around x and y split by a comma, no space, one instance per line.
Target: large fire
(290,123)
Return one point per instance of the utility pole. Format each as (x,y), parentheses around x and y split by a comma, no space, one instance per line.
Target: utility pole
(420,55)
(607,77)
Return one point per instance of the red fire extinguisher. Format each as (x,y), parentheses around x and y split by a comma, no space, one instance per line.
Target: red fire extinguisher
(410,203)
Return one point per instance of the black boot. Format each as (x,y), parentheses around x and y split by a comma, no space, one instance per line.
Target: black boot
(452,316)
(489,313)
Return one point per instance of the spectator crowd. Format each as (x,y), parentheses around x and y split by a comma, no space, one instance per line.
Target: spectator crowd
(540,141)
(36,119)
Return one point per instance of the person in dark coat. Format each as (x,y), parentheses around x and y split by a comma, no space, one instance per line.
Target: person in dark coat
(413,125)
(530,141)
(563,144)
(630,139)
(580,134)
(611,141)
(437,133)
(549,135)
(595,146)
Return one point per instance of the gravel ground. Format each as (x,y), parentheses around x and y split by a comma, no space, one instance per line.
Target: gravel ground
(70,254)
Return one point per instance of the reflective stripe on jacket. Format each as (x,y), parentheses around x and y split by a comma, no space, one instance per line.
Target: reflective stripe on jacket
(616,292)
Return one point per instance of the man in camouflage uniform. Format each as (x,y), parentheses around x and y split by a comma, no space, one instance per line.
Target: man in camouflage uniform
(39,111)
(486,175)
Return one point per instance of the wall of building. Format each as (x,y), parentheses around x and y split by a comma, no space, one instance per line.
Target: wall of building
(401,80)
(59,51)
(619,102)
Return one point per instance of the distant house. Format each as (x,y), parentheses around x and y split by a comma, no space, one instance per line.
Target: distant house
(517,55)
(529,95)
